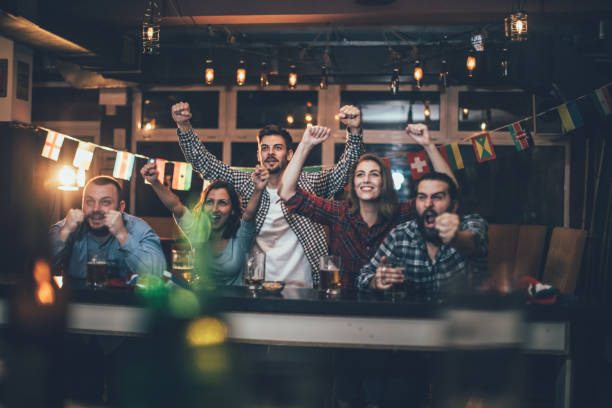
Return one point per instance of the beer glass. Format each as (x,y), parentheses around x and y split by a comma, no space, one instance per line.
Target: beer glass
(183,263)
(97,272)
(255,269)
(329,274)
(398,290)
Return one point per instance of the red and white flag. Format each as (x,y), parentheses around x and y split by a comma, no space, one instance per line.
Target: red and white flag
(53,145)
(160,165)
(417,163)
(84,155)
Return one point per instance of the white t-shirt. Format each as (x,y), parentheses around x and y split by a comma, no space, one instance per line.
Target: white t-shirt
(285,257)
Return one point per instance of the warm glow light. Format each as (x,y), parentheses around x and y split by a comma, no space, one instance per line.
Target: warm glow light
(427,112)
(395,82)
(292,78)
(209,76)
(516,26)
(466,111)
(308,118)
(42,278)
(290,119)
(206,331)
(240,76)
(263,75)
(150,33)
(519,26)
(148,126)
(483,125)
(67,179)
(470,63)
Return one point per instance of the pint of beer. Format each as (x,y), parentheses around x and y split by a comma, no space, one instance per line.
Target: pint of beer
(329,274)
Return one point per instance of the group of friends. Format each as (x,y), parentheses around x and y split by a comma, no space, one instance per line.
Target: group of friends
(381,241)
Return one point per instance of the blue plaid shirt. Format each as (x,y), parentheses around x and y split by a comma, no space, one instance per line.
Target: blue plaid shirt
(449,271)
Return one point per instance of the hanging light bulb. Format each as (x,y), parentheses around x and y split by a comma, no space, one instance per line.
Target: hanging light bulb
(470,63)
(516,26)
(150,28)
(241,73)
(465,113)
(324,79)
(443,73)
(427,111)
(263,75)
(290,120)
(395,81)
(505,63)
(483,125)
(209,73)
(292,77)
(418,73)
(308,118)
(67,179)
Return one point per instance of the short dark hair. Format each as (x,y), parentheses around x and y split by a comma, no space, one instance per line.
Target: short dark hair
(233,221)
(269,130)
(453,191)
(103,181)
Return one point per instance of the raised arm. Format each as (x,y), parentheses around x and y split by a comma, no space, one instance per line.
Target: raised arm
(171,201)
(314,135)
(420,134)
(328,182)
(260,181)
(201,159)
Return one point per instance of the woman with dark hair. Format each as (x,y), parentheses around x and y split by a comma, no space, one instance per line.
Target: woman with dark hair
(358,225)
(215,224)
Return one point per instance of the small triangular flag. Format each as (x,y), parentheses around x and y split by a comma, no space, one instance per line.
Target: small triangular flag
(603,101)
(53,145)
(571,118)
(160,165)
(417,163)
(483,148)
(181,178)
(124,164)
(452,155)
(84,155)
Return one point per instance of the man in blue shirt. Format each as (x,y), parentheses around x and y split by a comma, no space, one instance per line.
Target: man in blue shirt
(440,251)
(102,229)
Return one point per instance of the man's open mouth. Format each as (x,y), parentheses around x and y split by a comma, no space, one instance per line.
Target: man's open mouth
(429,218)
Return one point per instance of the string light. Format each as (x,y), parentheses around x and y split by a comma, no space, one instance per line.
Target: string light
(241,73)
(427,111)
(516,26)
(465,113)
(292,77)
(290,120)
(418,73)
(470,63)
(395,80)
(150,28)
(443,73)
(505,63)
(209,73)
(308,118)
(263,75)
(483,125)
(324,78)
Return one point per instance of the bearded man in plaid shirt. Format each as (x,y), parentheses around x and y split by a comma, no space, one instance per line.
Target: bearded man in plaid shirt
(440,251)
(292,243)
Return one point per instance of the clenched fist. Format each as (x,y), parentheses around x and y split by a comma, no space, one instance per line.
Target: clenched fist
(260,177)
(314,135)
(350,116)
(74,218)
(447,225)
(419,133)
(114,221)
(181,113)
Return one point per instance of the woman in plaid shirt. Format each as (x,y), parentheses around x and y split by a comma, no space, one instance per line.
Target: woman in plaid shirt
(358,225)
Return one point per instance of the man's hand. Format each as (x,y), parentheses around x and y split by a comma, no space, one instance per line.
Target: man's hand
(114,221)
(260,177)
(149,172)
(447,225)
(314,135)
(350,116)
(74,218)
(181,114)
(419,133)
(386,276)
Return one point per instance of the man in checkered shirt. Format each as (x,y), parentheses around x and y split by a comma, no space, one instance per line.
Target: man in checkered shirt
(440,251)
(292,243)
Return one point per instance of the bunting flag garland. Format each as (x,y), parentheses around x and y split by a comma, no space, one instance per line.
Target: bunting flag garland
(521,137)
(571,119)
(387,162)
(452,155)
(602,100)
(417,163)
(160,165)
(84,155)
(53,145)
(124,164)
(483,148)
(181,179)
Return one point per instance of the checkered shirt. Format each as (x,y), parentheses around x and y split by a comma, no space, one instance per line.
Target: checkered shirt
(324,184)
(450,271)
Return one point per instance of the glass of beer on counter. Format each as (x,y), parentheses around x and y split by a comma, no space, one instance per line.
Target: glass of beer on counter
(97,272)
(329,274)
(183,263)
(255,269)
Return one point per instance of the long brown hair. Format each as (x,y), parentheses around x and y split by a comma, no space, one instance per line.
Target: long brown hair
(233,221)
(387,200)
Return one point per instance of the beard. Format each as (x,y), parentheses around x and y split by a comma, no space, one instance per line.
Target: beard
(97,216)
(429,234)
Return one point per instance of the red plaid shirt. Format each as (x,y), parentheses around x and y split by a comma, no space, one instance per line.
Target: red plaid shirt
(350,236)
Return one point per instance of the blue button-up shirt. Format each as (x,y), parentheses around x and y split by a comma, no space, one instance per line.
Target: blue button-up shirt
(141,253)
